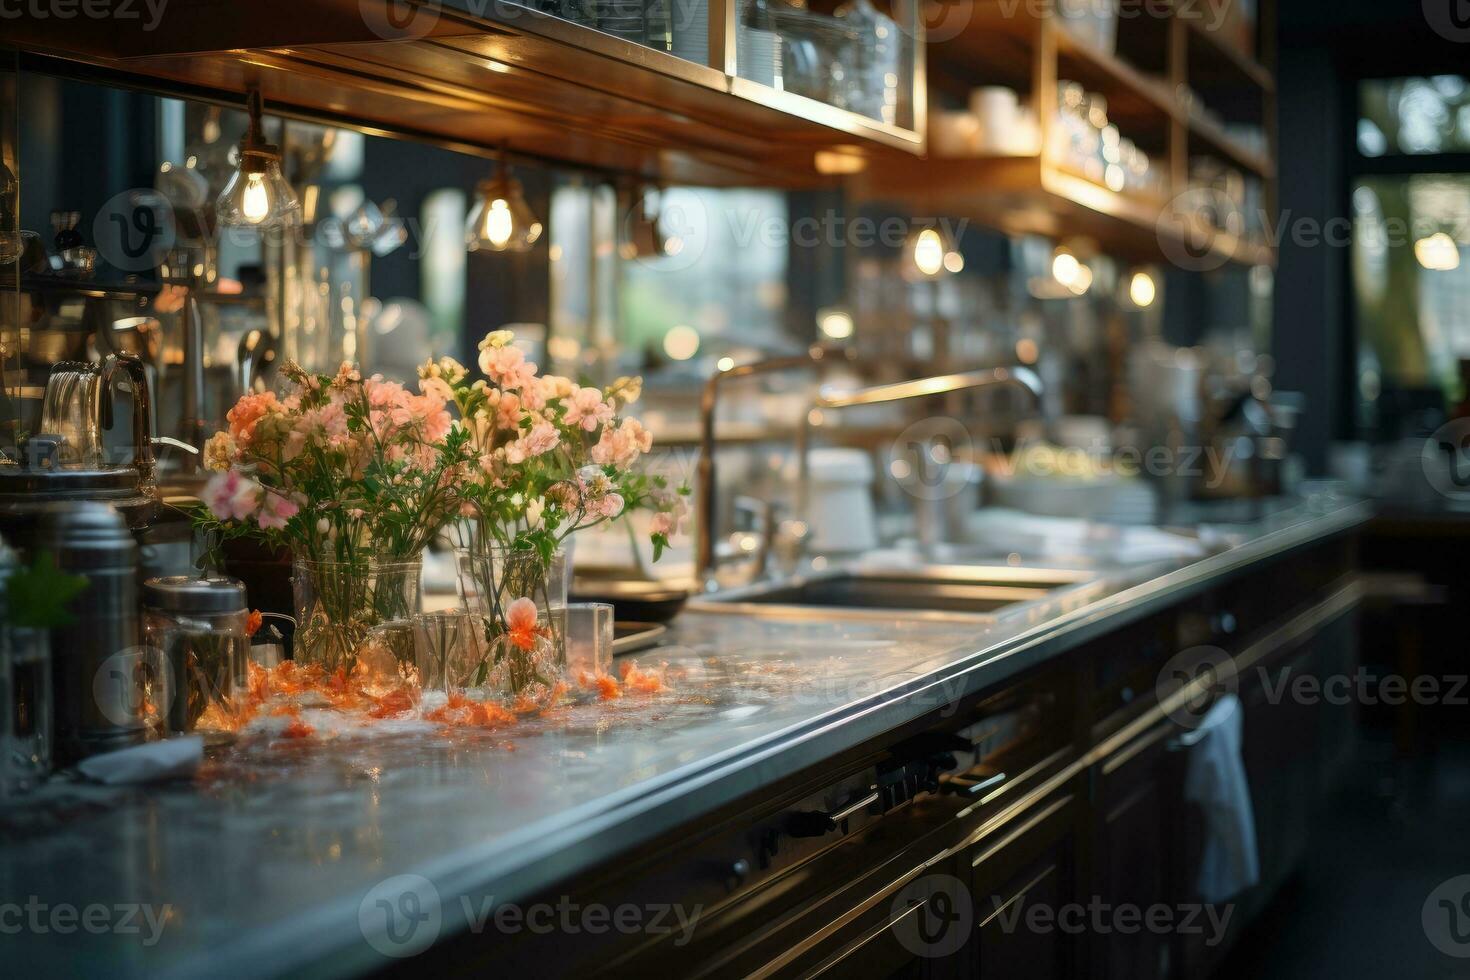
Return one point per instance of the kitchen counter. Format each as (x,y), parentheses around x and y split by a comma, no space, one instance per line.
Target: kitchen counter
(261,864)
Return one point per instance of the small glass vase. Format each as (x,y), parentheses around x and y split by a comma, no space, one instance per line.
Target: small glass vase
(340,603)
(522,664)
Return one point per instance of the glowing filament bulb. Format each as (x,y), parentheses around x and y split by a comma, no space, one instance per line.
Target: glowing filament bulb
(255,203)
(499,223)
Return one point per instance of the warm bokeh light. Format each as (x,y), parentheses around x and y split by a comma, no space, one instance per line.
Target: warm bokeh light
(929,252)
(1141,290)
(1438,252)
(681,342)
(835,323)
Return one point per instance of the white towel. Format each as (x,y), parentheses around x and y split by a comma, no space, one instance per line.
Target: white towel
(1214,778)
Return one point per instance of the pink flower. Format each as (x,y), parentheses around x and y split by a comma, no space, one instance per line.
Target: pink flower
(621,446)
(542,438)
(383,394)
(608,506)
(507,410)
(437,387)
(507,367)
(231,496)
(329,423)
(276,511)
(585,407)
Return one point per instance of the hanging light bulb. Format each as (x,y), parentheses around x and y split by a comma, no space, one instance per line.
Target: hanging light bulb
(501,220)
(928,252)
(257,195)
(1142,290)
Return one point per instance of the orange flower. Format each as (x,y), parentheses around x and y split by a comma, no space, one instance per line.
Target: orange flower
(520,623)
(253,621)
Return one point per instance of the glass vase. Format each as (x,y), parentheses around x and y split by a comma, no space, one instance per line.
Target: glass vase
(500,586)
(339,604)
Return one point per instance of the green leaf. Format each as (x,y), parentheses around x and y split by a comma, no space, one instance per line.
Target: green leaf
(39,596)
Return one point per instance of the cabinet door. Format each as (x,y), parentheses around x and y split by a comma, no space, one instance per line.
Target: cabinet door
(1135,852)
(1023,886)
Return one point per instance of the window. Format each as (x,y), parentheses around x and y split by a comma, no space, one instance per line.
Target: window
(1414,116)
(1411,225)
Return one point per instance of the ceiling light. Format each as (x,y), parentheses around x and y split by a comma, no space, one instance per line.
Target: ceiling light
(1141,290)
(257,195)
(501,220)
(926,249)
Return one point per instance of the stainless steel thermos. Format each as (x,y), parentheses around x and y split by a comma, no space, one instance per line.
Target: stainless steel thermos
(100,669)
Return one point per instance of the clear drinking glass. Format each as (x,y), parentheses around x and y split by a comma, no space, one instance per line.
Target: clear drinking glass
(448,651)
(589,643)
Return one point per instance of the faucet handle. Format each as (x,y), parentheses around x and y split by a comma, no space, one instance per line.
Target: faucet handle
(763,515)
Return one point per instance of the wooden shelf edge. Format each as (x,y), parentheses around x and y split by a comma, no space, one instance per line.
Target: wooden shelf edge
(1212,134)
(996,190)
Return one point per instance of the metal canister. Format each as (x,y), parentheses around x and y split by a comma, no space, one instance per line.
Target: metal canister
(102,673)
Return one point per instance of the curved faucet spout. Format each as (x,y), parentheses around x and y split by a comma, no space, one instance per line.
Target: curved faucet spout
(706,508)
(132,366)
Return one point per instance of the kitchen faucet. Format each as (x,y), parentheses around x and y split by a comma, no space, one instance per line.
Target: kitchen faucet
(883,394)
(706,561)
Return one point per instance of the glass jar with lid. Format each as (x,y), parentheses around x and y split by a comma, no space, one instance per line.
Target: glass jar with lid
(199,627)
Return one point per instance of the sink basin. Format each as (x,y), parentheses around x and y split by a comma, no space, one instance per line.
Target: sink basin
(970,591)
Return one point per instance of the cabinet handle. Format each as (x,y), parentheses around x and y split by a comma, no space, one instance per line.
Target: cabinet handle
(815,823)
(974,787)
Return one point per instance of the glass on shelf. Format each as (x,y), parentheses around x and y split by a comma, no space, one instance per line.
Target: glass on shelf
(858,59)
(680,27)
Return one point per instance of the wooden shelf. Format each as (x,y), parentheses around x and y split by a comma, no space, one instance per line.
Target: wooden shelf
(535,84)
(1027,195)
(1024,47)
(1220,143)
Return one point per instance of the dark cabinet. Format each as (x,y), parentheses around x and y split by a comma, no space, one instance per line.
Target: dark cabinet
(1137,853)
(1024,887)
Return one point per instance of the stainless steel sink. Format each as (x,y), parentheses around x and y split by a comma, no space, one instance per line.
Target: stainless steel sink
(953,590)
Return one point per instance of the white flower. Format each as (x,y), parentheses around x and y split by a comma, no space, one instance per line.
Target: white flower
(533,512)
(323,525)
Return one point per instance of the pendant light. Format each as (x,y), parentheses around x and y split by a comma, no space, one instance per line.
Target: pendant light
(257,196)
(501,220)
(929,254)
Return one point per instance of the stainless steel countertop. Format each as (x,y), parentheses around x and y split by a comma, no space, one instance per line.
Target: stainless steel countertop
(265,859)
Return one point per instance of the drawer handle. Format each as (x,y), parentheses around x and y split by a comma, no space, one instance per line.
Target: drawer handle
(815,823)
(974,787)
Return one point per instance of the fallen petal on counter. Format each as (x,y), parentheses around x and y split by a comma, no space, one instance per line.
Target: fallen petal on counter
(174,758)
